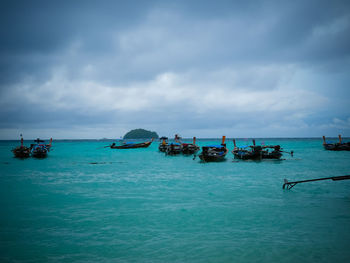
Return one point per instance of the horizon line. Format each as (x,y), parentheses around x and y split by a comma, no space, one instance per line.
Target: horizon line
(184,138)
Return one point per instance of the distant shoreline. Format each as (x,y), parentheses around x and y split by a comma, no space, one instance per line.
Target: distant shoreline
(204,139)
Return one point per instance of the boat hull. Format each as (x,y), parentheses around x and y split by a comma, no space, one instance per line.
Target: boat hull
(39,153)
(271,155)
(209,154)
(337,146)
(189,149)
(173,149)
(132,146)
(248,155)
(163,147)
(21,152)
(208,158)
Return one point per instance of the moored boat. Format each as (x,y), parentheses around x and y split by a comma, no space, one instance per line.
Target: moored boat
(40,149)
(21,151)
(276,152)
(164,144)
(214,153)
(190,148)
(252,152)
(131,145)
(340,146)
(173,148)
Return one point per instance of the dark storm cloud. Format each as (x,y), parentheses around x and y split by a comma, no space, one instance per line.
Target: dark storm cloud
(44,26)
(189,65)
(34,33)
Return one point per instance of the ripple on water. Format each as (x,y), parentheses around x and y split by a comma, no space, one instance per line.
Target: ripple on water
(94,204)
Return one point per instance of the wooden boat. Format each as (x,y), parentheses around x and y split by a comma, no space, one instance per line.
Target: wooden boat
(21,151)
(40,149)
(276,152)
(131,145)
(340,146)
(174,148)
(214,153)
(164,144)
(253,152)
(190,148)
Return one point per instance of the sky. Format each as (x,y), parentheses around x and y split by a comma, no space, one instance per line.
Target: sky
(97,69)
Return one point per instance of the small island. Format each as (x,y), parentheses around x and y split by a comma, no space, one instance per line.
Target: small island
(141,134)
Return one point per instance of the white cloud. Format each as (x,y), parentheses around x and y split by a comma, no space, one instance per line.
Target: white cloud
(341,124)
(263,89)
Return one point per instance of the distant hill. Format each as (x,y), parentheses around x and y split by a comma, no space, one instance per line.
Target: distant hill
(140,134)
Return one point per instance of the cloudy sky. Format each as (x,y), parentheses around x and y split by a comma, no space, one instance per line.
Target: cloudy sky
(93,69)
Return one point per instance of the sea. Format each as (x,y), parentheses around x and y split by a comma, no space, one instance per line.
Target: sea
(89,203)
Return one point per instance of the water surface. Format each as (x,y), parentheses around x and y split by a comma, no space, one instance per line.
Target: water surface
(87,203)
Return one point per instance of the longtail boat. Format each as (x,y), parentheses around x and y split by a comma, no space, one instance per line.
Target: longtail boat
(340,146)
(173,148)
(252,152)
(21,151)
(164,144)
(131,145)
(190,148)
(214,153)
(276,152)
(40,149)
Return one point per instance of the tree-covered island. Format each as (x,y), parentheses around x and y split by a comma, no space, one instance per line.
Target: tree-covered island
(141,134)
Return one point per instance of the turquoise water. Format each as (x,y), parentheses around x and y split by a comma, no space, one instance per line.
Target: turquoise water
(86,203)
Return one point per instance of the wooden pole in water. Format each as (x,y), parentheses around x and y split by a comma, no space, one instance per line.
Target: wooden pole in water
(234,143)
(324,139)
(194,140)
(254,142)
(339,138)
